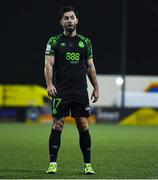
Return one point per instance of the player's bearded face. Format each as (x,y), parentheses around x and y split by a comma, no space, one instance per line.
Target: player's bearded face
(69,21)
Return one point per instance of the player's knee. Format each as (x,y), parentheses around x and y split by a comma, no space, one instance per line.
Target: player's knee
(84,125)
(58,126)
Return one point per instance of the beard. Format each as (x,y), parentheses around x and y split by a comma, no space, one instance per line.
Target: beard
(70,28)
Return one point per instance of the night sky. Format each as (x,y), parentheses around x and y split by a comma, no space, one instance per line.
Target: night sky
(28,24)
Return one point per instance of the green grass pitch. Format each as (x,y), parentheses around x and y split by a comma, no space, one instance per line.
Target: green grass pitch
(118,152)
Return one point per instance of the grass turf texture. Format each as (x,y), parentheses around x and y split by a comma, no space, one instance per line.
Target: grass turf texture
(118,152)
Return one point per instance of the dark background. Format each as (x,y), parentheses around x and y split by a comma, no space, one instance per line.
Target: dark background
(27,25)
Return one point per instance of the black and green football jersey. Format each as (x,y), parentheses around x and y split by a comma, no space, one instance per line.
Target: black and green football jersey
(71,54)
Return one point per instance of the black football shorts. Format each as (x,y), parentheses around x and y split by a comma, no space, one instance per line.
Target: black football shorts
(65,106)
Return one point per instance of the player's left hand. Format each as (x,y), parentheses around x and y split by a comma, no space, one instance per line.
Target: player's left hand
(95,95)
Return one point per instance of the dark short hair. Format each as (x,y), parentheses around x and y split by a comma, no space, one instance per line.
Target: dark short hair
(66,9)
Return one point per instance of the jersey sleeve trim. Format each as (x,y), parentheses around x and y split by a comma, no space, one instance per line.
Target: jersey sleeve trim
(88,45)
(51,45)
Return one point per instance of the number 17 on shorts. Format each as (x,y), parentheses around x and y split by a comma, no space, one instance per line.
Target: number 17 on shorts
(56,103)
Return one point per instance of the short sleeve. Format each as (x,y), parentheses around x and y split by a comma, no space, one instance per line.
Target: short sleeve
(50,47)
(89,49)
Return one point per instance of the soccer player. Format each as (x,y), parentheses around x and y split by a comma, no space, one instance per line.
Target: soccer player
(68,58)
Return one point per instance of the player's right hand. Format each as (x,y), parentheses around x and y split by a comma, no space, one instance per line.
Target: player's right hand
(51,90)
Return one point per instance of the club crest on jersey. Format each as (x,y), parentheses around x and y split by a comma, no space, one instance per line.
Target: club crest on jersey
(63,44)
(81,44)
